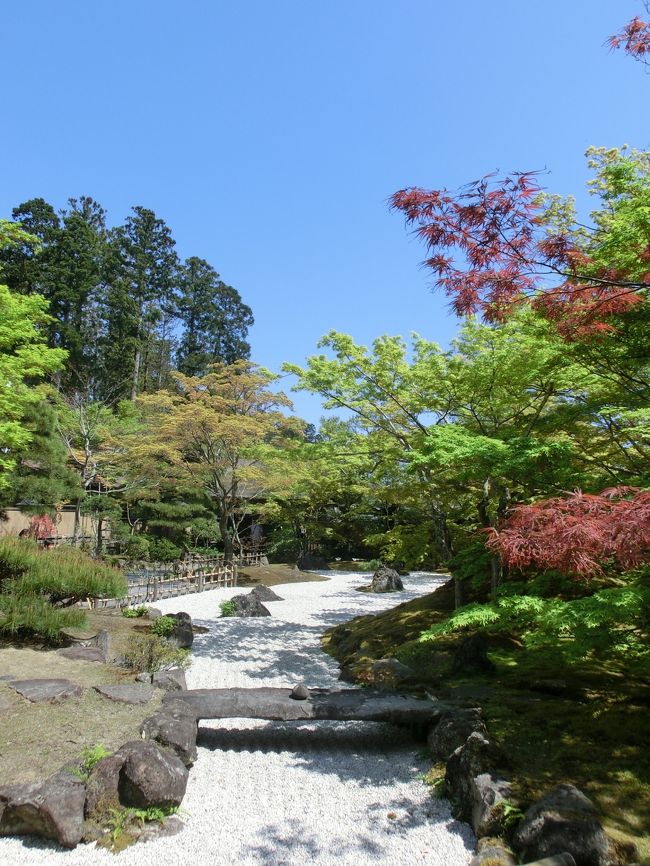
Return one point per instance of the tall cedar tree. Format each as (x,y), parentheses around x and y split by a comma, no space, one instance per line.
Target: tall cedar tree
(215,320)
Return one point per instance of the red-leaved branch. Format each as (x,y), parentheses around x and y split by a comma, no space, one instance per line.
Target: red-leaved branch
(577,534)
(488,251)
(634,39)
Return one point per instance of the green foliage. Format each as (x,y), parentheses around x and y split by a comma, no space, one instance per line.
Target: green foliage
(163,626)
(148,653)
(227,608)
(63,575)
(472,563)
(90,755)
(163,550)
(36,585)
(134,612)
(27,616)
(613,621)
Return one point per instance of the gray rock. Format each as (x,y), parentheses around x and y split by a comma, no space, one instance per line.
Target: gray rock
(249,605)
(300,692)
(387,674)
(471,656)
(171,826)
(46,690)
(386,580)
(53,809)
(6,677)
(104,645)
(83,653)
(151,776)
(144,677)
(452,731)
(129,693)
(174,727)
(492,852)
(153,613)
(478,794)
(265,593)
(102,788)
(182,636)
(564,819)
(76,637)
(172,680)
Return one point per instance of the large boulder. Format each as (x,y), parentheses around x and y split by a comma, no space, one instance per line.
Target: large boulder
(53,809)
(102,785)
(388,674)
(248,605)
(478,794)
(183,635)
(174,727)
(452,731)
(471,656)
(150,776)
(564,819)
(386,580)
(265,593)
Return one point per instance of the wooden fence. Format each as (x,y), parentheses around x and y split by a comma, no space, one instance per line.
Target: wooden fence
(152,581)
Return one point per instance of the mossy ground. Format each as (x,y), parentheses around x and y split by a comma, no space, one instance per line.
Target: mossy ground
(584,723)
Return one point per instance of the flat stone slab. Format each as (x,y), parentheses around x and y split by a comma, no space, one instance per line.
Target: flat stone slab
(128,693)
(46,690)
(83,653)
(279,705)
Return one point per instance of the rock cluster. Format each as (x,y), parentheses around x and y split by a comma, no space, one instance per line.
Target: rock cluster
(248,605)
(151,772)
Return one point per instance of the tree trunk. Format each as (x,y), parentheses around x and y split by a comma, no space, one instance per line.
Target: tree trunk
(100,536)
(226,539)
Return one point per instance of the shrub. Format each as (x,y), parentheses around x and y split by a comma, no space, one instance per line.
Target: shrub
(227,608)
(90,755)
(163,550)
(133,612)
(163,626)
(36,584)
(150,652)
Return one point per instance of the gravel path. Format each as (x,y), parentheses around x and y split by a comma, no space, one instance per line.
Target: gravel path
(275,794)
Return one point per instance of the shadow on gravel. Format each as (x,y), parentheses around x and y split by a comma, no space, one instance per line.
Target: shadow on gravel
(369,753)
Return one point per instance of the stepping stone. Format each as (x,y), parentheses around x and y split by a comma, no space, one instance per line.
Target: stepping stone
(129,693)
(83,653)
(46,690)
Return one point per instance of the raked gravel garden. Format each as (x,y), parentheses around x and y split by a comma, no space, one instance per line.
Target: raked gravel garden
(289,793)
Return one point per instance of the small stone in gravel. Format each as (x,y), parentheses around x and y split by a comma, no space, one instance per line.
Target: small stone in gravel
(83,653)
(300,692)
(132,693)
(50,690)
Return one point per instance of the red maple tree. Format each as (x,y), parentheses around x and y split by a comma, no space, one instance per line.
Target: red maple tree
(634,38)
(488,252)
(577,534)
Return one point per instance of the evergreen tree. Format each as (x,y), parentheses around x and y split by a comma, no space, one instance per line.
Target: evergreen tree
(215,320)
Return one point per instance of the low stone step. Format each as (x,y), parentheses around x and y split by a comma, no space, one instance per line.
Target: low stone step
(46,690)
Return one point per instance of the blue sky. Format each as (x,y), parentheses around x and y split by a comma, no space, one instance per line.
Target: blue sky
(269,135)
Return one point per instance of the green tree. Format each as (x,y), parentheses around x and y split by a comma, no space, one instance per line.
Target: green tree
(224,434)
(214,318)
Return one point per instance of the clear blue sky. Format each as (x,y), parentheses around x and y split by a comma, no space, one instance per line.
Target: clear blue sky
(269,135)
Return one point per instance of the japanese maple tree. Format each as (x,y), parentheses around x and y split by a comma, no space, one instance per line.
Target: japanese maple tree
(577,534)
(497,242)
(634,38)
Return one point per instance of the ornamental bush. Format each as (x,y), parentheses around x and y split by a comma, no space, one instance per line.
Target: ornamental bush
(38,588)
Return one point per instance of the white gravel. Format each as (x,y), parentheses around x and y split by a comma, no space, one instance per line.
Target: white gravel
(281,794)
